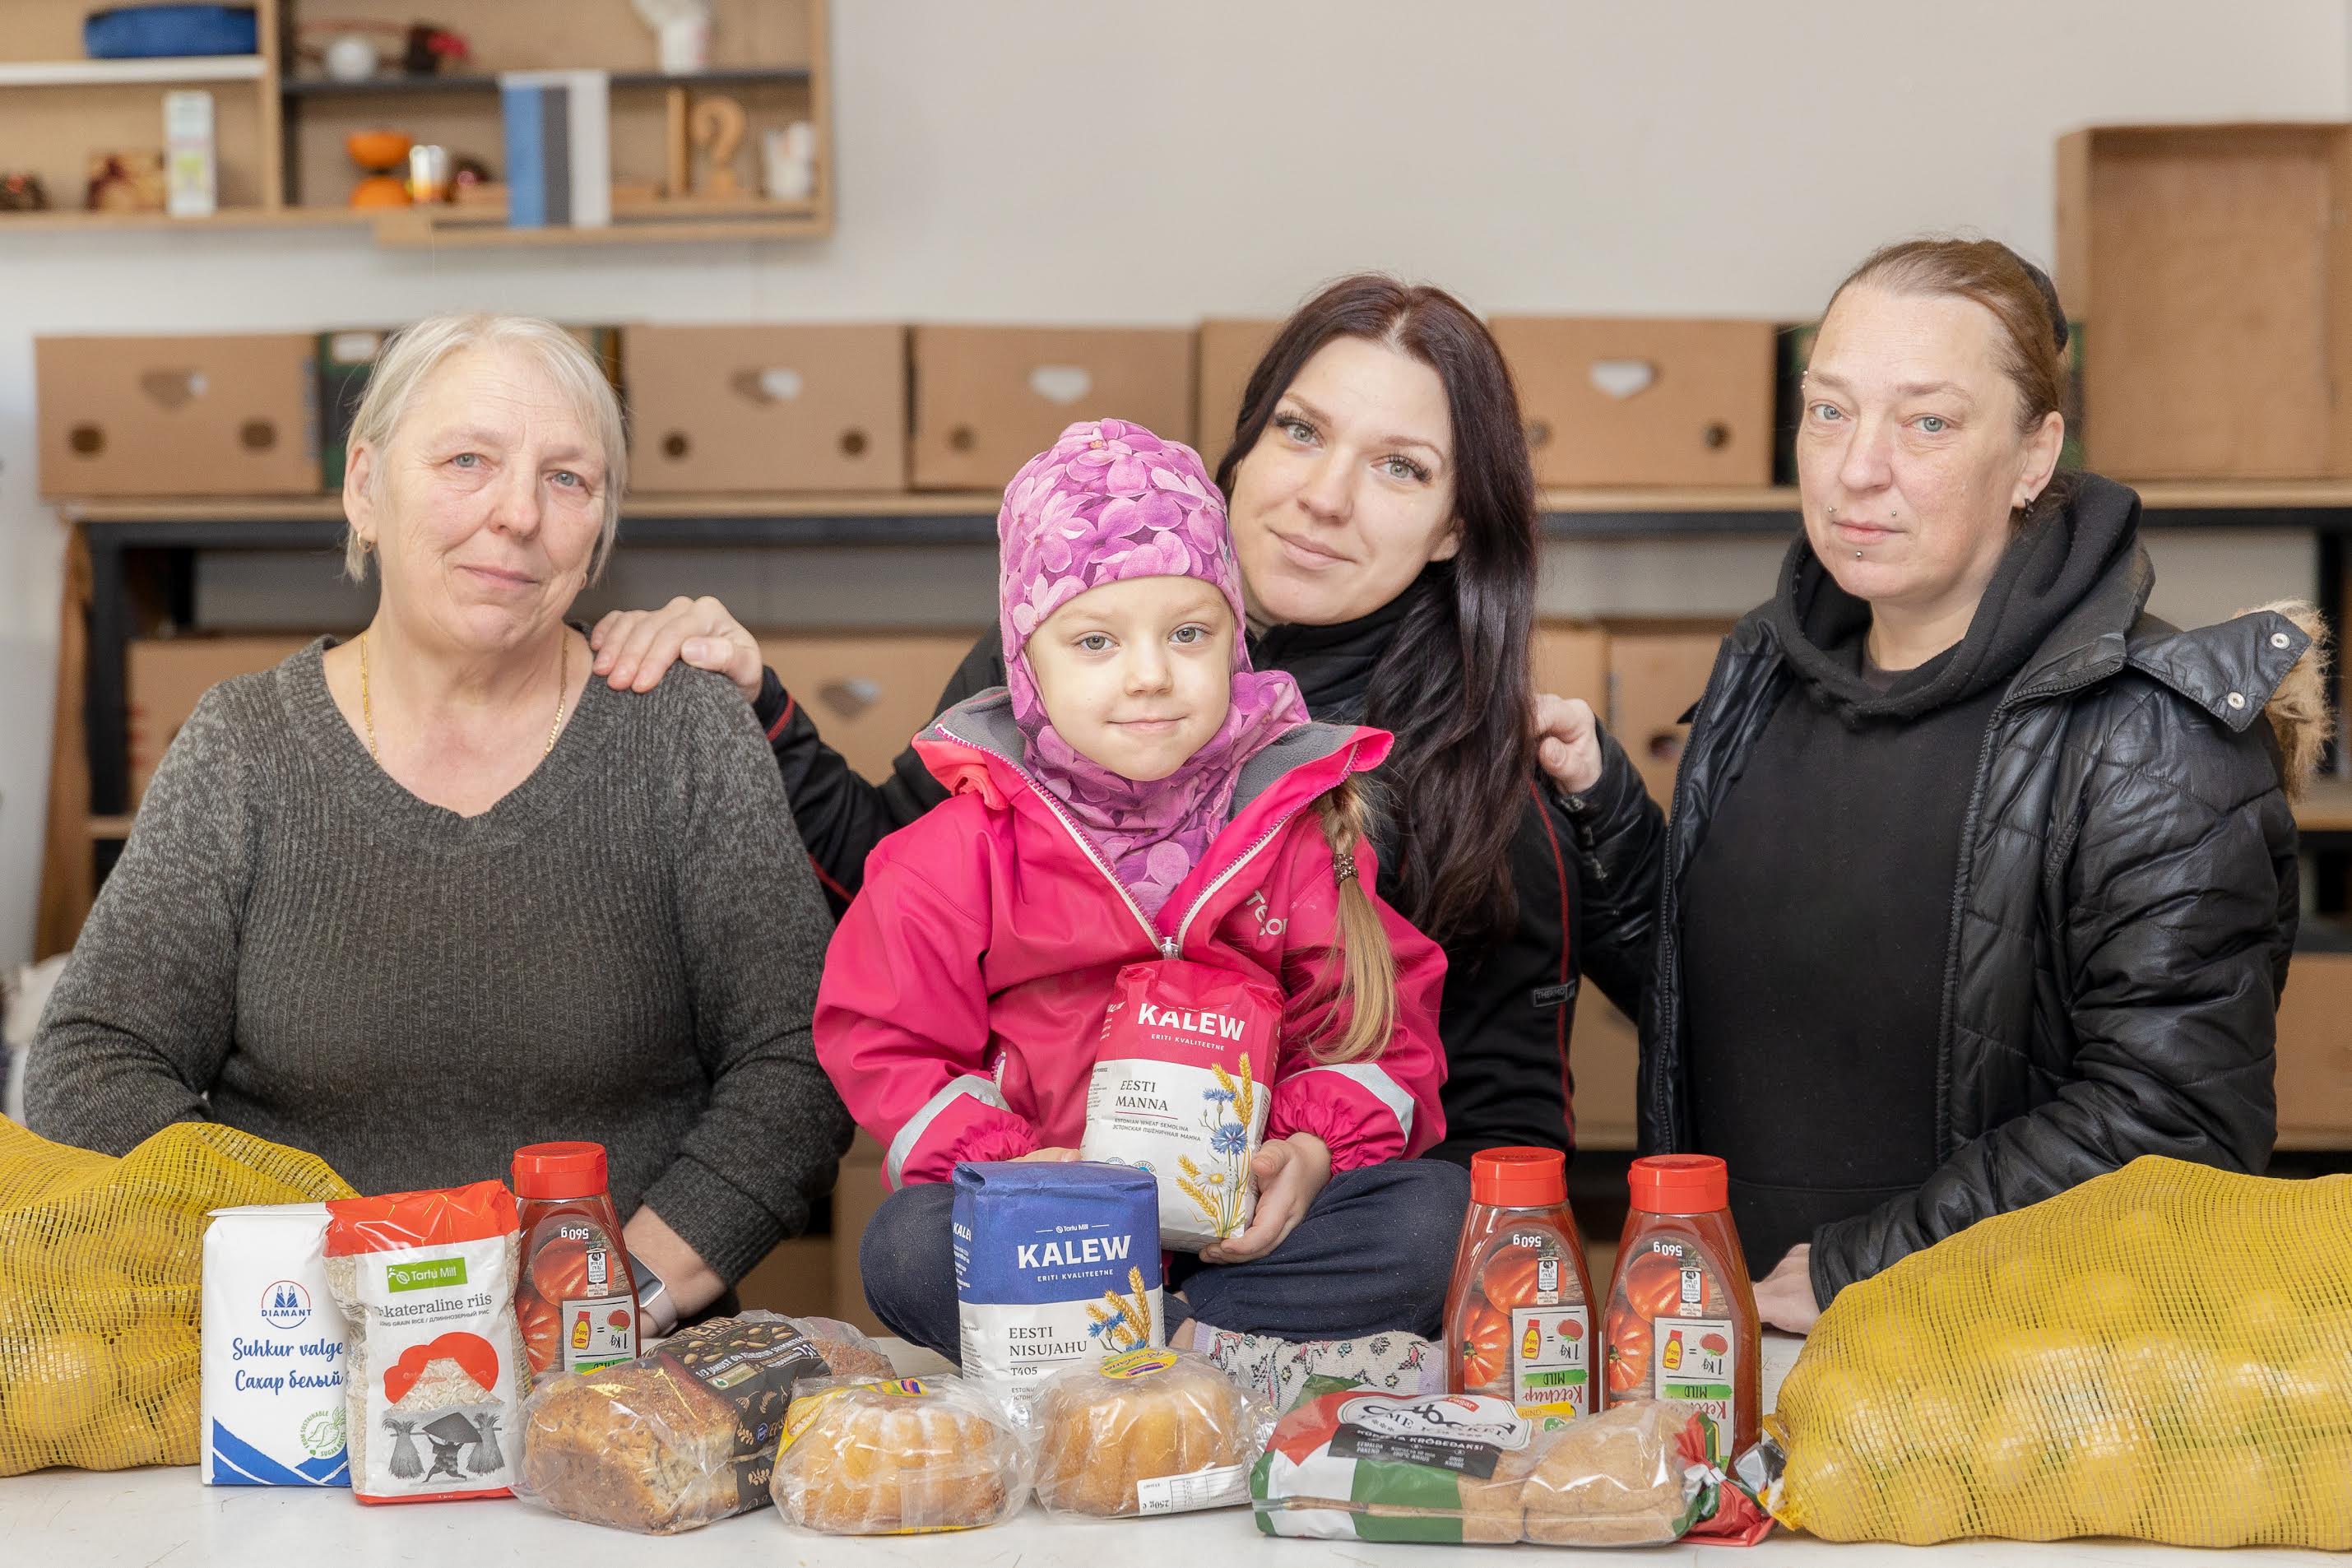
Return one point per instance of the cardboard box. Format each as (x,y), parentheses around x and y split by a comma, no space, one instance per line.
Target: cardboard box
(988,399)
(1229,350)
(1621,401)
(856,1195)
(1603,1052)
(871,692)
(1655,674)
(2208,262)
(767,408)
(164,676)
(1570,659)
(178,417)
(2315,1053)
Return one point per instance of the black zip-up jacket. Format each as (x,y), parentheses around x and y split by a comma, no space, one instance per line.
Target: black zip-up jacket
(2122,911)
(1586,895)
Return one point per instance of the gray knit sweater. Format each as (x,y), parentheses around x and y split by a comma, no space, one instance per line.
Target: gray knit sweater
(625,949)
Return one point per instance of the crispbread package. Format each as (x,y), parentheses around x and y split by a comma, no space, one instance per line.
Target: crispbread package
(1055,1265)
(1179,1090)
(273,1350)
(680,1436)
(1470,1470)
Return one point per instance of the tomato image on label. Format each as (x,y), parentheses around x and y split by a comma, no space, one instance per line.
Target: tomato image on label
(1714,1344)
(1571,1327)
(1654,1284)
(560,1269)
(1509,1279)
(543,1329)
(1629,1352)
(1486,1347)
(619,1320)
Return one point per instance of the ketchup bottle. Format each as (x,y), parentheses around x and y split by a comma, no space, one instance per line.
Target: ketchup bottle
(1682,1318)
(1519,1319)
(576,1299)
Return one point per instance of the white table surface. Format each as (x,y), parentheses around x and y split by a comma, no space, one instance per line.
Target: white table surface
(165,1518)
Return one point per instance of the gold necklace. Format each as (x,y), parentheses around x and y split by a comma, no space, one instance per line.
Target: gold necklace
(563,679)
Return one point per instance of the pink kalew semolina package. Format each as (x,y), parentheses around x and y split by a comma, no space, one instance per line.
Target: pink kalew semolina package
(1182,1075)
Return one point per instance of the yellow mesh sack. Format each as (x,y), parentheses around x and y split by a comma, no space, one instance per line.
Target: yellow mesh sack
(100,1284)
(2165,1352)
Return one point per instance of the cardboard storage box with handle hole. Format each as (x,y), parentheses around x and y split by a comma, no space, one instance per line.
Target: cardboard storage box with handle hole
(988,399)
(766,408)
(869,692)
(1631,401)
(177,415)
(1657,671)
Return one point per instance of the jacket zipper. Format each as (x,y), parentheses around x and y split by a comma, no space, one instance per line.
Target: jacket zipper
(1166,946)
(1246,856)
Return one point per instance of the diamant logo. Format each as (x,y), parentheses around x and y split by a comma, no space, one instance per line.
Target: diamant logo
(285,1304)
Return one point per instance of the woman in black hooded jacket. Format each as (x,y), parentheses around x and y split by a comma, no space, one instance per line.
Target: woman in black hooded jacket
(1980,880)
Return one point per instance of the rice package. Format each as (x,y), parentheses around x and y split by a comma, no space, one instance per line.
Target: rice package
(273,1350)
(1179,1090)
(437,1365)
(1055,1265)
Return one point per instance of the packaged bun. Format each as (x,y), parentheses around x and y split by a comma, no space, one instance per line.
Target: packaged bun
(679,1437)
(900,1455)
(1153,1431)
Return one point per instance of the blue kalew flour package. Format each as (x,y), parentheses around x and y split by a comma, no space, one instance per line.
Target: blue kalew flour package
(1056,1264)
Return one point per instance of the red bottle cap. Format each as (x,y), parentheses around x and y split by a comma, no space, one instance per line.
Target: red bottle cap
(1680,1183)
(555,1171)
(1518,1178)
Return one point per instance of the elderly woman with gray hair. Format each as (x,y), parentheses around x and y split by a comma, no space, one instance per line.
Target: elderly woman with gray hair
(414,900)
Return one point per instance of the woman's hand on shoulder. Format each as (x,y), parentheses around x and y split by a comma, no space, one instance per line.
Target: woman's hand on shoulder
(1568,742)
(635,649)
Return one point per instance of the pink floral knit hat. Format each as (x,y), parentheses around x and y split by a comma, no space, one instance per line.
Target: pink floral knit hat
(1109,501)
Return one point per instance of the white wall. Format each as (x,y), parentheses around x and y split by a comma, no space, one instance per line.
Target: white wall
(1148,161)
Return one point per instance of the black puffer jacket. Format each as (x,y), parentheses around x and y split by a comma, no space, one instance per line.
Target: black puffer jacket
(2123,911)
(1586,895)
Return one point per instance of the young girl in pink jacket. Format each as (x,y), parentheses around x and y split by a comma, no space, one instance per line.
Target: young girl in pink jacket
(1136,790)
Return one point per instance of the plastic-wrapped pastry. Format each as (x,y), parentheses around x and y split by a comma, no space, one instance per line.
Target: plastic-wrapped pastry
(1153,1431)
(895,1455)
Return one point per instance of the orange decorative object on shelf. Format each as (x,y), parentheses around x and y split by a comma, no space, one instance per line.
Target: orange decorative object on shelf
(380,153)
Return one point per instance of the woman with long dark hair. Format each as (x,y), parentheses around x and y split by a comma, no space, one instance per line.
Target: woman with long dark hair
(1384,511)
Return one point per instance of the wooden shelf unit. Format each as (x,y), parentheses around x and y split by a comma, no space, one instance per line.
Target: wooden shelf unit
(279,129)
